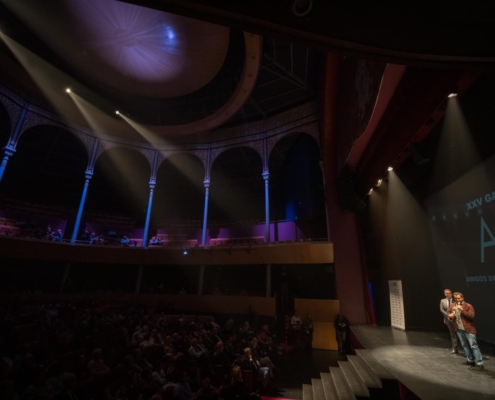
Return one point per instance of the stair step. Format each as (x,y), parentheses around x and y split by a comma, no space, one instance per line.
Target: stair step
(370,379)
(343,389)
(328,386)
(307,392)
(355,382)
(318,393)
(374,365)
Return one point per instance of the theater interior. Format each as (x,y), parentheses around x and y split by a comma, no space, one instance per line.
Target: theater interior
(168,164)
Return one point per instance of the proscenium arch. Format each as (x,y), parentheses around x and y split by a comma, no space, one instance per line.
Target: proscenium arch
(120,184)
(47,168)
(179,191)
(237,186)
(296,183)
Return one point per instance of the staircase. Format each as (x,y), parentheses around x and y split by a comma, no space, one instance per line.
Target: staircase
(361,377)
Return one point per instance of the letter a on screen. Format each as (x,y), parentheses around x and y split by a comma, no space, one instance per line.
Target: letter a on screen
(484,227)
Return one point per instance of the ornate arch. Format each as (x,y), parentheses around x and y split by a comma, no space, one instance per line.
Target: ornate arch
(201,155)
(33,119)
(13,110)
(311,129)
(257,146)
(105,145)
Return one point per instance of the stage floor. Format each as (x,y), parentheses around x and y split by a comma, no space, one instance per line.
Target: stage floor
(423,363)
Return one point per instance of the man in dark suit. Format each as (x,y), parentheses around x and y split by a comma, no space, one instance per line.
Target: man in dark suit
(444,309)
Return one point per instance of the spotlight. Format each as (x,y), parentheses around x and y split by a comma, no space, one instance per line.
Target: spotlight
(68,90)
(117,112)
(453,94)
(371,190)
(185,252)
(378,184)
(389,169)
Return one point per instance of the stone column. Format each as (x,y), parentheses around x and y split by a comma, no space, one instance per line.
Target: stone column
(8,152)
(148,215)
(266,176)
(205,214)
(89,174)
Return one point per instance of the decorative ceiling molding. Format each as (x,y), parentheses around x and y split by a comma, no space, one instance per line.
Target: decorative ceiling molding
(252,62)
(303,118)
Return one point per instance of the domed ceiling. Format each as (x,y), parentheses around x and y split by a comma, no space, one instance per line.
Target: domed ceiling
(172,74)
(133,49)
(139,50)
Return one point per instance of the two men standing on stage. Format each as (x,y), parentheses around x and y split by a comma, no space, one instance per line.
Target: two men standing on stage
(461,314)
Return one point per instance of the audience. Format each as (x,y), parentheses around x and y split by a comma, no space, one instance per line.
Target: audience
(134,353)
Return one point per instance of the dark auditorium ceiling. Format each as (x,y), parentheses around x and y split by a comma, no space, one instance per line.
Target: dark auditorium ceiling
(163,70)
(437,33)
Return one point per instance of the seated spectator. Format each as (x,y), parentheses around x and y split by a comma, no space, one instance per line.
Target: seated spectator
(93,239)
(236,389)
(262,359)
(159,241)
(250,363)
(140,361)
(155,339)
(207,391)
(125,240)
(220,357)
(182,389)
(58,236)
(159,373)
(96,366)
(197,351)
(153,241)
(49,233)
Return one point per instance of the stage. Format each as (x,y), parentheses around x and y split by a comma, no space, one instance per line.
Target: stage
(422,362)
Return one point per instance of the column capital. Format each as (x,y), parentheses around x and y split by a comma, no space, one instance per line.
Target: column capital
(88,174)
(9,150)
(266,174)
(152,183)
(206,182)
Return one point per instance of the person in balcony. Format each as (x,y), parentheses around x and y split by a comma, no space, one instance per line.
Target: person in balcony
(86,235)
(93,239)
(49,233)
(125,241)
(58,236)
